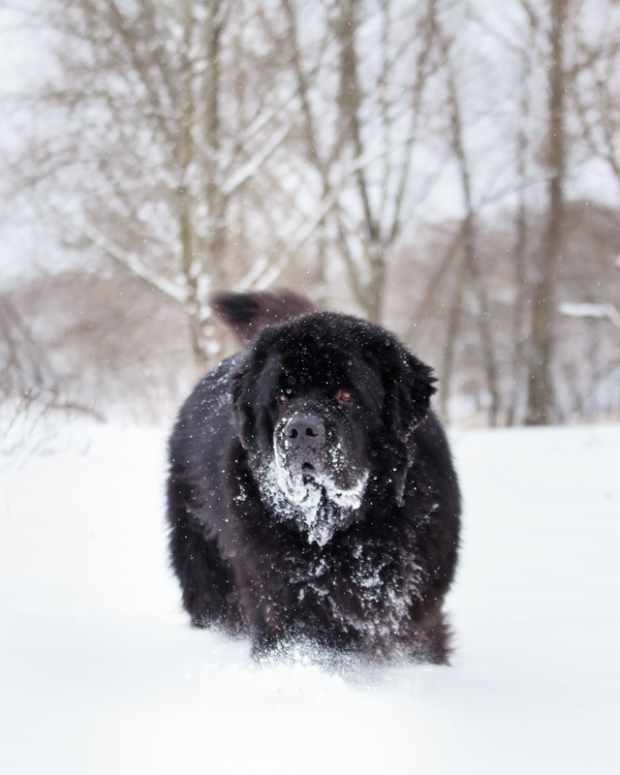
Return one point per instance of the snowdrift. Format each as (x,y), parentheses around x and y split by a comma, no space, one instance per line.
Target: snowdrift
(100,672)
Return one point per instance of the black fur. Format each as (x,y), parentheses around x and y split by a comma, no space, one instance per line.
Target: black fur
(248,313)
(377,586)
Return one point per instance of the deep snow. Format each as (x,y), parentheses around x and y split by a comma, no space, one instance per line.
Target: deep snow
(100,673)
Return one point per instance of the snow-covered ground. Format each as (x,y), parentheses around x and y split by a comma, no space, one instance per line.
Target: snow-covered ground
(100,673)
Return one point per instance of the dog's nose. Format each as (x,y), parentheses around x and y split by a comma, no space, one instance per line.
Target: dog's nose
(305,430)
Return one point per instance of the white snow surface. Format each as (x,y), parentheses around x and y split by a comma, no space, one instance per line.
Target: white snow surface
(100,672)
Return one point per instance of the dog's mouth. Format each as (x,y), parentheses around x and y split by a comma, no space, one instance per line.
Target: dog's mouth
(312,496)
(314,486)
(308,474)
(305,482)
(321,489)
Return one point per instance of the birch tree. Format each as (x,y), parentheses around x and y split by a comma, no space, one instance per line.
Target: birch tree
(143,158)
(360,126)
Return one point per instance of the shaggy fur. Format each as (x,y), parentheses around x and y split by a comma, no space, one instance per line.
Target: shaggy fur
(372,579)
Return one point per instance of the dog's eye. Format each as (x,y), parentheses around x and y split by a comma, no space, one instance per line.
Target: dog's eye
(284,395)
(344,397)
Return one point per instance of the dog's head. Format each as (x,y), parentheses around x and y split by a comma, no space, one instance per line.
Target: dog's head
(322,405)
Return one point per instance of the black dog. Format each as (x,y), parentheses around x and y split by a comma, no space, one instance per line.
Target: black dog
(311,492)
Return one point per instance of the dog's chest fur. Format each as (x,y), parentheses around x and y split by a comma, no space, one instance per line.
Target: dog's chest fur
(366,588)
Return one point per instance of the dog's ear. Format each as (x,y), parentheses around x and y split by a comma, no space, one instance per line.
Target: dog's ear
(412,391)
(409,385)
(253,391)
(242,401)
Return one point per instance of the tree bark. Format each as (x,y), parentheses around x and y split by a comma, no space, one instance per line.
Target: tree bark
(350,103)
(541,397)
(520,248)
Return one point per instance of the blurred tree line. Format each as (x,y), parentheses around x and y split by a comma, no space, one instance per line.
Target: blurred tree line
(172,147)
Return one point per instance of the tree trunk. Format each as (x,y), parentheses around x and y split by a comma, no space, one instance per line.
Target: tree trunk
(452,334)
(350,99)
(541,399)
(192,268)
(520,251)
(207,269)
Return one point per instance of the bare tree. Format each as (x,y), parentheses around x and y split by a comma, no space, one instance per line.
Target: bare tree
(470,270)
(595,87)
(362,155)
(520,249)
(540,403)
(28,376)
(382,214)
(146,157)
(365,150)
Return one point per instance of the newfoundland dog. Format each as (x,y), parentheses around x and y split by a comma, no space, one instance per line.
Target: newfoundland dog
(311,492)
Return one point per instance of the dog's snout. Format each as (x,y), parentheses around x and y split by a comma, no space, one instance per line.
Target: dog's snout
(302,443)
(305,429)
